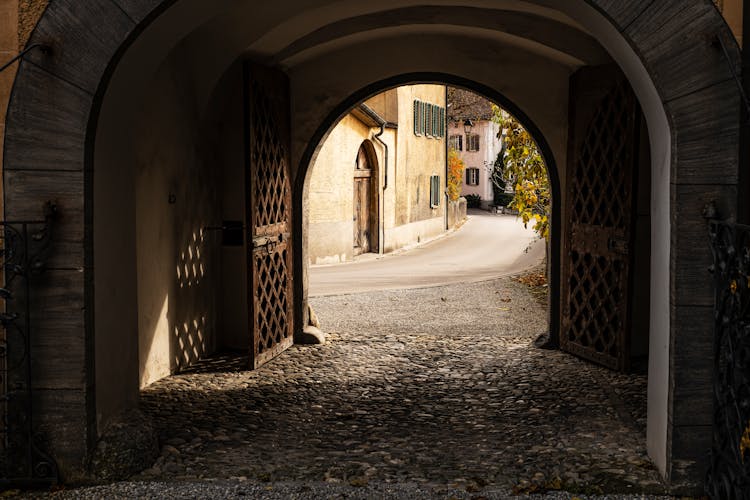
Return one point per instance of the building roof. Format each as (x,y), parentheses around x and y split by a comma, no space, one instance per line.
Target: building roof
(370,117)
(463,104)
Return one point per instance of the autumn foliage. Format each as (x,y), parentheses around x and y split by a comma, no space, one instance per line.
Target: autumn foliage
(455,175)
(524,166)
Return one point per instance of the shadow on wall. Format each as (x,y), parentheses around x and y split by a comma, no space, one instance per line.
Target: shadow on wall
(189,338)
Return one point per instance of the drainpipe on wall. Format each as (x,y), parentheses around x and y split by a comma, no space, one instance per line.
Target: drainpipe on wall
(446,220)
(385,148)
(385,186)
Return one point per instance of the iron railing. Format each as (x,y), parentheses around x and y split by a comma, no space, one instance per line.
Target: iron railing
(729,476)
(24,249)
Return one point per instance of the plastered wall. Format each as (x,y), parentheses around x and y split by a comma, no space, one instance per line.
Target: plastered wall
(177,198)
(418,159)
(405,216)
(331,193)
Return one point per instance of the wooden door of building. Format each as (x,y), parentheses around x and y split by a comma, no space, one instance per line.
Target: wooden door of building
(601,178)
(362,209)
(269,213)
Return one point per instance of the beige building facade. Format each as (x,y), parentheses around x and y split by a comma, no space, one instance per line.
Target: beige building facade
(378,181)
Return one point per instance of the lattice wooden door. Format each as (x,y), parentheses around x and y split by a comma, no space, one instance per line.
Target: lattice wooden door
(269,213)
(601,175)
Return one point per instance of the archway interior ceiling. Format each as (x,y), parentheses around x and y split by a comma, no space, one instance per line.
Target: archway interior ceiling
(509,46)
(222,31)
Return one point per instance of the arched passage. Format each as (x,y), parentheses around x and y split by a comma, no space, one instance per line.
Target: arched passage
(74,118)
(309,156)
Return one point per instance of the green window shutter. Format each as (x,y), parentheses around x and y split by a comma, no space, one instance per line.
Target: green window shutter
(416,117)
(442,122)
(428,119)
(435,191)
(435,115)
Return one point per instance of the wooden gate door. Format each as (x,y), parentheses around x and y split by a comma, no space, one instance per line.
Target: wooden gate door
(362,203)
(269,213)
(601,178)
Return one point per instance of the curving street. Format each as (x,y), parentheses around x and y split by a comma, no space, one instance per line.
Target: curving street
(487,246)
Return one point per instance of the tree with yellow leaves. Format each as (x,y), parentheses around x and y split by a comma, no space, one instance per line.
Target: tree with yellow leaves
(524,167)
(455,175)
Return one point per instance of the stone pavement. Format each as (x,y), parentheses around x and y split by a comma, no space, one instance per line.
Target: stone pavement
(436,386)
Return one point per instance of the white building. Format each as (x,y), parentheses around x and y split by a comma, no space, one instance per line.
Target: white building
(473,134)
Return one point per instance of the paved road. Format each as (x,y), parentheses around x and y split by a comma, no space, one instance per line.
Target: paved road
(487,246)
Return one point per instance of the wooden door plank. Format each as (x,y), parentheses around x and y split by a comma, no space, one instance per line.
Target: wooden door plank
(270,283)
(600,216)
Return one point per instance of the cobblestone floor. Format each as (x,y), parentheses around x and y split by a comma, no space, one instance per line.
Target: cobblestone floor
(438,386)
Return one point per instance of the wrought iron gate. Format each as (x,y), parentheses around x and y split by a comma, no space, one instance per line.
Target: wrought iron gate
(24,248)
(601,179)
(729,476)
(268,213)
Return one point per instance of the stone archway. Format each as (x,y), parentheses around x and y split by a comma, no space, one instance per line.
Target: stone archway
(324,127)
(55,149)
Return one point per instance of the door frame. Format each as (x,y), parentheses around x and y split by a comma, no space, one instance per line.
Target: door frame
(374,219)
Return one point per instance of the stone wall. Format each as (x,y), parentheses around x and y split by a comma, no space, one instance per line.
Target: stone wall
(456,213)
(29,13)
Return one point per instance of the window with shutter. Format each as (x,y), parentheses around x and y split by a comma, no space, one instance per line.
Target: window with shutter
(435,121)
(454,142)
(472,176)
(416,117)
(472,142)
(434,191)
(428,120)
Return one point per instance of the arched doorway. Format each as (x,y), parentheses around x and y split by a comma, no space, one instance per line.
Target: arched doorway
(365,220)
(75,139)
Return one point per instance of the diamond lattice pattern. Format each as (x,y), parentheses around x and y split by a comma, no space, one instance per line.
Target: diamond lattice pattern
(595,296)
(600,182)
(271,299)
(269,157)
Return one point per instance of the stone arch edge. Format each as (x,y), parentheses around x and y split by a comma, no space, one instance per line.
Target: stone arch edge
(345,106)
